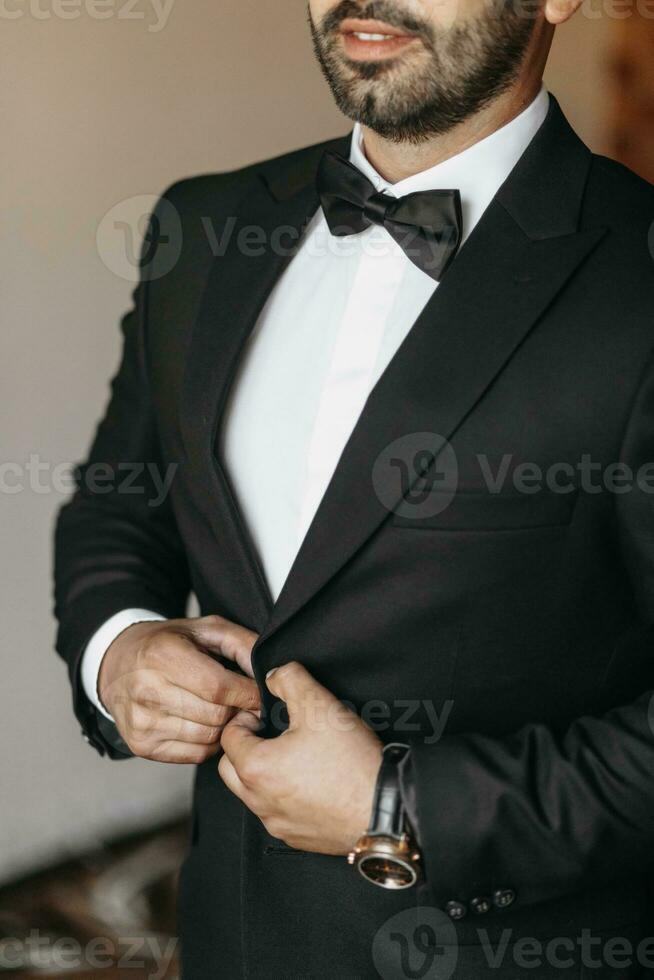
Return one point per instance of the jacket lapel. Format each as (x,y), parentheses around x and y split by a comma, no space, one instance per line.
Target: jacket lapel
(262,243)
(524,250)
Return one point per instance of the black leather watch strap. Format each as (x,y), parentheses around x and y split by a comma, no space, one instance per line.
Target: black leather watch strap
(388,814)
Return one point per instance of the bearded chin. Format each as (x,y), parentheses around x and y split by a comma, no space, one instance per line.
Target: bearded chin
(460,71)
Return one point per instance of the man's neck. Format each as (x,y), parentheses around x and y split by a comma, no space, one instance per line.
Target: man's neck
(396,161)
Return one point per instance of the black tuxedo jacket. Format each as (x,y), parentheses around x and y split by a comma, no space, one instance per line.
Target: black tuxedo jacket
(529,616)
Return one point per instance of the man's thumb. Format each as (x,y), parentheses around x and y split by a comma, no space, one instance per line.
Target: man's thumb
(294,685)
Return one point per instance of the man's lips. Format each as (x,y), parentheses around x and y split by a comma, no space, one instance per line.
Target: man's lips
(373,40)
(353,25)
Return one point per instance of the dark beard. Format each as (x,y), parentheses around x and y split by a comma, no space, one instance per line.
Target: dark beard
(459,71)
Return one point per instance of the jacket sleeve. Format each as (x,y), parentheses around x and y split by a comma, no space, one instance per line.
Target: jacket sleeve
(546,814)
(116,542)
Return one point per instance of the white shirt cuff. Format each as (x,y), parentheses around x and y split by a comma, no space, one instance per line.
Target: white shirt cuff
(99,644)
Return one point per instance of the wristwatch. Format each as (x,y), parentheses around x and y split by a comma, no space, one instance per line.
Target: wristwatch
(386,855)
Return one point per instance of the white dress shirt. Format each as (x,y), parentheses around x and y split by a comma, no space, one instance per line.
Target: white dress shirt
(330,327)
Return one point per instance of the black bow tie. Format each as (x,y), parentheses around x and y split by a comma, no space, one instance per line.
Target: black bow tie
(426,225)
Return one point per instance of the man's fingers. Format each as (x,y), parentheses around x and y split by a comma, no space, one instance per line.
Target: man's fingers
(239,692)
(241,743)
(180,703)
(245,719)
(230,777)
(150,724)
(181,730)
(194,671)
(183,753)
(238,769)
(227,639)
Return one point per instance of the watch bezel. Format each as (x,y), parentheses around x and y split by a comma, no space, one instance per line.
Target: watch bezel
(392,850)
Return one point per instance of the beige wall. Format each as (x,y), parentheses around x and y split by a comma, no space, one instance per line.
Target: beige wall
(97,111)
(577,72)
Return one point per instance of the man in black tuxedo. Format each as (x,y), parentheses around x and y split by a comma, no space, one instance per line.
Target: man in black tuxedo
(405,395)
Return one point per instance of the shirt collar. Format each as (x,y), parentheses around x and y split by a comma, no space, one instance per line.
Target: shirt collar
(477,172)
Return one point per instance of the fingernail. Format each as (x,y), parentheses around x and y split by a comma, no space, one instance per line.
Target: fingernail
(270,673)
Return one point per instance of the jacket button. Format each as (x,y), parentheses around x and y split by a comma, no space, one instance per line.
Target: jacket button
(480,906)
(456,910)
(503,898)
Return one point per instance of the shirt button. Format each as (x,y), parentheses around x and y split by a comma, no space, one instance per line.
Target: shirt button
(503,898)
(480,906)
(456,910)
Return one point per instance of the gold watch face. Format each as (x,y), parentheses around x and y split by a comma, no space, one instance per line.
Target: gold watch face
(387,872)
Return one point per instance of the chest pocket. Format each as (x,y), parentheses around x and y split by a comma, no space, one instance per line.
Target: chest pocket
(481,510)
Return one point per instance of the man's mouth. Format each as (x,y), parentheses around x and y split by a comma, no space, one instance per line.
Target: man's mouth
(373,40)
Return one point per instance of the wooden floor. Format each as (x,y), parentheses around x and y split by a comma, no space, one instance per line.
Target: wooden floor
(108,915)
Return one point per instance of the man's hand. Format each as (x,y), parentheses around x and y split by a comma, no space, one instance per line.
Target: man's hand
(313,786)
(170,699)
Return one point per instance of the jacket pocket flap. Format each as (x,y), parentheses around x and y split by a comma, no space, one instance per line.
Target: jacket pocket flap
(486,511)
